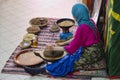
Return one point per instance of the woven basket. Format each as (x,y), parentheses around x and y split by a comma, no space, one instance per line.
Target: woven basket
(39,21)
(33,29)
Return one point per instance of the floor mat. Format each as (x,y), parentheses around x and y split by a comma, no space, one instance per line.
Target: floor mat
(44,37)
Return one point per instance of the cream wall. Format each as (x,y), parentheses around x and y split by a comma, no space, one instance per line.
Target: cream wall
(79,1)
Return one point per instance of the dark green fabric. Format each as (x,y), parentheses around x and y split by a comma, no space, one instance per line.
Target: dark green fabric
(113,43)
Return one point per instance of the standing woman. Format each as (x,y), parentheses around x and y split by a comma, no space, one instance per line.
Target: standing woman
(84,49)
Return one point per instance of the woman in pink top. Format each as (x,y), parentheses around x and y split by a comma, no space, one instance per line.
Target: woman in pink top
(87,37)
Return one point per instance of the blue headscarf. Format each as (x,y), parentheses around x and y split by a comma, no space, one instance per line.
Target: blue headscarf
(81,13)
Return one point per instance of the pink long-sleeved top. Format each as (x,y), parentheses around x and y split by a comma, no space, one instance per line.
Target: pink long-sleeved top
(84,36)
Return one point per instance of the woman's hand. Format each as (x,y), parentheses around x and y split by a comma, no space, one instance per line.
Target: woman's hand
(60,44)
(54,47)
(58,48)
(63,43)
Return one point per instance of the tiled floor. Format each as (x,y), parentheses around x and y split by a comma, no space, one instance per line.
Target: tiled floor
(14,19)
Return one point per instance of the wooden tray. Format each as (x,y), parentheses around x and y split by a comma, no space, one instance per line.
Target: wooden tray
(27,58)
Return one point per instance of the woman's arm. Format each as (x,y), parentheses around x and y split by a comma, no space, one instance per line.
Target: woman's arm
(64,43)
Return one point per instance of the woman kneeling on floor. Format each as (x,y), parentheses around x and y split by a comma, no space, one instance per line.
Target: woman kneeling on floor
(84,50)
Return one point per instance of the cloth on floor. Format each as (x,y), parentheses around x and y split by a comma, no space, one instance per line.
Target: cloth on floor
(65,65)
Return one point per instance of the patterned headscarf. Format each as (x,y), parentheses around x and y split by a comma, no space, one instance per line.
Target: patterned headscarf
(81,13)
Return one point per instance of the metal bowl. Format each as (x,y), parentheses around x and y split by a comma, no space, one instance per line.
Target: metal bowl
(25,44)
(36,69)
(65,22)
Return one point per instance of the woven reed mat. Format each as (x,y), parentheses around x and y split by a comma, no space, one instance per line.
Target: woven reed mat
(44,37)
